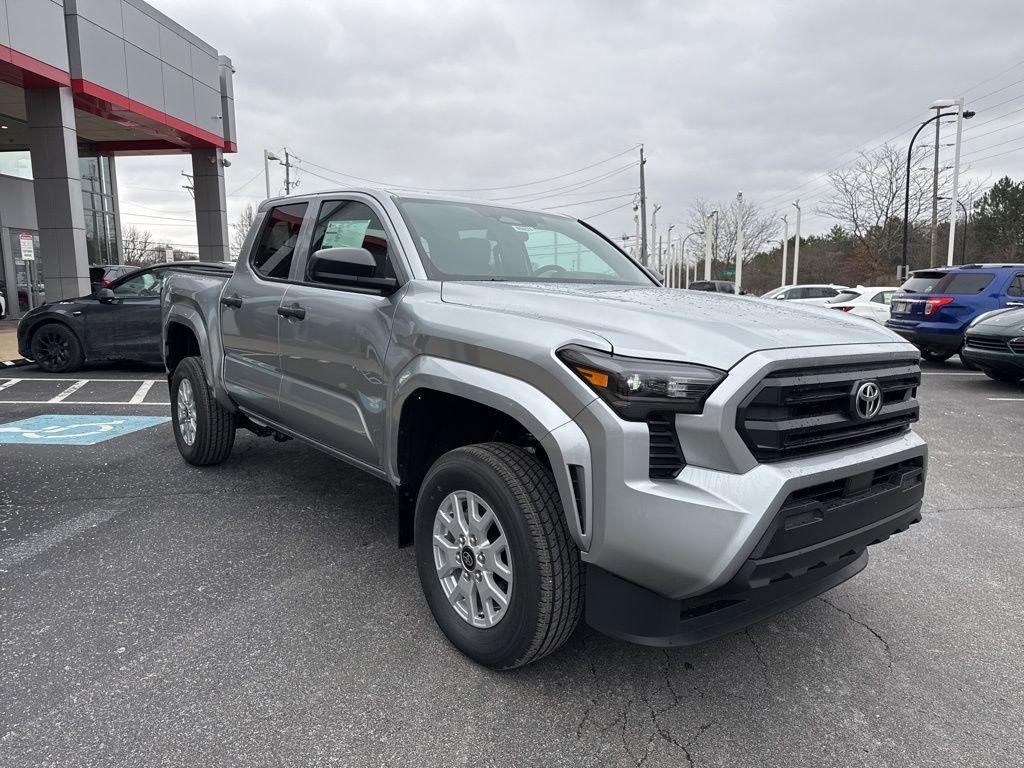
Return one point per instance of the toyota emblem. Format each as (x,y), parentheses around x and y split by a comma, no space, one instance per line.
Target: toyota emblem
(867,400)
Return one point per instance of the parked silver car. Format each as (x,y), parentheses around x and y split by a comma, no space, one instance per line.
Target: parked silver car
(566,437)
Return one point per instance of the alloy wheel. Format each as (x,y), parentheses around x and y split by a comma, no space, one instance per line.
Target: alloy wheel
(187,422)
(472,559)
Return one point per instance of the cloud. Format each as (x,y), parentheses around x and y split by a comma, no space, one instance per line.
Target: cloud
(758,96)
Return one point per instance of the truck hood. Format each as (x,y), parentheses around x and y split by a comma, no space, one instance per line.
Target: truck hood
(713,329)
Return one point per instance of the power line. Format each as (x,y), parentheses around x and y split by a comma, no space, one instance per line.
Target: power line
(588,202)
(976,99)
(472,189)
(544,194)
(992,146)
(250,181)
(996,76)
(602,213)
(997,154)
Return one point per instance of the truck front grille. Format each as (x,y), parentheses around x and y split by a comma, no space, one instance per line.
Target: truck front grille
(811,410)
(991,343)
(666,455)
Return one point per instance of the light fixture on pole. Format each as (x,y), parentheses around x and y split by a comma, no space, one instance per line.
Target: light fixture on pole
(961,115)
(267,157)
(740,245)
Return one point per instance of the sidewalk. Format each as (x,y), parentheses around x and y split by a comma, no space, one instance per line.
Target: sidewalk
(8,340)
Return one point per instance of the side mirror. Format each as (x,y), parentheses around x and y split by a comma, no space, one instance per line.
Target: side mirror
(354,267)
(106,296)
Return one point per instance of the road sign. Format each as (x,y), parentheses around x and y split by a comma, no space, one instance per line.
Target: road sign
(729,273)
(28,248)
(77,429)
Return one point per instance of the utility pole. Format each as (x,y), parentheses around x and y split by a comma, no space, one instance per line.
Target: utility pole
(796,245)
(785,246)
(287,173)
(636,239)
(654,228)
(740,245)
(643,210)
(935,197)
(190,184)
(956,178)
(668,239)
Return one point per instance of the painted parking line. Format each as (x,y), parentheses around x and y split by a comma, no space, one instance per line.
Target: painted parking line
(949,373)
(66,391)
(1007,399)
(64,429)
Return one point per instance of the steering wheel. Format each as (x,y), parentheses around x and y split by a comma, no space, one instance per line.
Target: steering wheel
(547,267)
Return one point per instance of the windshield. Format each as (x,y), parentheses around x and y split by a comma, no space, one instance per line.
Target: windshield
(468,241)
(774,292)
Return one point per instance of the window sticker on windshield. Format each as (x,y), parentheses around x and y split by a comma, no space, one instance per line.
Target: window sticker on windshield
(345,234)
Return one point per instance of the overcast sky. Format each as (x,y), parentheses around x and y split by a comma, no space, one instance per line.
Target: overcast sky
(755,96)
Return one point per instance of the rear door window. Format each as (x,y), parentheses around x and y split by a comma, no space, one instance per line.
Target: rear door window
(272,256)
(1016,285)
(883,297)
(963,283)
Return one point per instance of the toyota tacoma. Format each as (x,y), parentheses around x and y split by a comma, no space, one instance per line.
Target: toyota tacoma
(566,437)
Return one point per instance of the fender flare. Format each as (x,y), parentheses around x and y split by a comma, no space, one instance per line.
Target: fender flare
(189,317)
(560,436)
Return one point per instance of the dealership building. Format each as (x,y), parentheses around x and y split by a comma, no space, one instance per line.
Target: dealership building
(82,82)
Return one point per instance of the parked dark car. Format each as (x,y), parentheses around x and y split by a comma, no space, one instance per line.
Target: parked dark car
(995,344)
(714,286)
(120,321)
(104,274)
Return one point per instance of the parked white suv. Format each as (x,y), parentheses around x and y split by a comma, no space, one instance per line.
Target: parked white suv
(872,303)
(806,294)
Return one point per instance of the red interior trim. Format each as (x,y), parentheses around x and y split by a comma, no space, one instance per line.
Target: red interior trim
(25,71)
(114,106)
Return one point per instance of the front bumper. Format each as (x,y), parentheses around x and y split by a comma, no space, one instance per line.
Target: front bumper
(811,546)
(987,359)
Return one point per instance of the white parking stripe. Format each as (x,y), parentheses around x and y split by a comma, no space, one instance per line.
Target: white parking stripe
(949,373)
(73,402)
(9,383)
(1007,399)
(69,391)
(141,392)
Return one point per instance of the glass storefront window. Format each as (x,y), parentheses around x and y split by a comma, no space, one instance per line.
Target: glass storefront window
(98,201)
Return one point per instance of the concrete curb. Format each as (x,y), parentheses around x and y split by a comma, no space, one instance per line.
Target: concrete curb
(5,364)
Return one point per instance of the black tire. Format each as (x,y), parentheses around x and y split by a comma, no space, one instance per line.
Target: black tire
(56,349)
(967,364)
(1003,377)
(546,598)
(935,357)
(215,424)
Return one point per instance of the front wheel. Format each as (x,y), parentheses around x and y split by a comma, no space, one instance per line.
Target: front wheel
(203,428)
(498,567)
(56,349)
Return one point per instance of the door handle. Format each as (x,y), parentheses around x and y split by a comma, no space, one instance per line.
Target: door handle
(234,301)
(293,312)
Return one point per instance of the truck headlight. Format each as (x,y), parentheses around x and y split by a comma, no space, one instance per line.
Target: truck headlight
(636,388)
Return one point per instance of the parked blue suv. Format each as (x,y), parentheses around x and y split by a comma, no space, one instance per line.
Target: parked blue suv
(937,305)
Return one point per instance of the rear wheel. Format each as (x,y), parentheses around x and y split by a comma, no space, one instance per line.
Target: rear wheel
(1004,377)
(55,348)
(203,428)
(498,567)
(935,357)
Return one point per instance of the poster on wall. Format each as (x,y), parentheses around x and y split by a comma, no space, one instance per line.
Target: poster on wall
(28,249)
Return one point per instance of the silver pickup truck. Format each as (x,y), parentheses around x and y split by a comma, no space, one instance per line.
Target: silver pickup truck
(567,438)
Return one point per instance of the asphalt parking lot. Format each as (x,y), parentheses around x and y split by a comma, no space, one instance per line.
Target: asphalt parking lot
(259,614)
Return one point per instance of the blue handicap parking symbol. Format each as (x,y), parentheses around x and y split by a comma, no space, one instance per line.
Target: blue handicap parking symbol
(64,429)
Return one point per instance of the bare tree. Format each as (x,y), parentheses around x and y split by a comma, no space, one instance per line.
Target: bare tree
(240,229)
(137,247)
(758,228)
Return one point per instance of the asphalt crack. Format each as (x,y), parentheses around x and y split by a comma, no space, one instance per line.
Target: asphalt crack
(868,627)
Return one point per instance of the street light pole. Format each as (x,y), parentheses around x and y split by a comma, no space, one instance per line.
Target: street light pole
(740,245)
(956,179)
(938,105)
(267,157)
(785,246)
(708,242)
(682,256)
(796,245)
(963,235)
